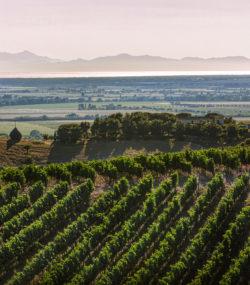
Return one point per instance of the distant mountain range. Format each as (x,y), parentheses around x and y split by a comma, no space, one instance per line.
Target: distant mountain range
(29,62)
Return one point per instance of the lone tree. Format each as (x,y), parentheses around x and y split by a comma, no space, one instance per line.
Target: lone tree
(15,135)
(27,148)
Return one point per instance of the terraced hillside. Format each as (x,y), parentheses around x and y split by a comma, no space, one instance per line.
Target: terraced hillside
(167,218)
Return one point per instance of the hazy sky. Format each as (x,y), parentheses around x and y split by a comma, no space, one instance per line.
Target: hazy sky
(90,28)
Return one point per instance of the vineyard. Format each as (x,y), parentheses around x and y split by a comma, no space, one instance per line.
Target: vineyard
(163,218)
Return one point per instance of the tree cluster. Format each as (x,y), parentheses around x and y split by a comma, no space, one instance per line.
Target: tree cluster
(142,125)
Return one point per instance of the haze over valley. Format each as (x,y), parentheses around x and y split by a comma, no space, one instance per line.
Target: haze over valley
(28,62)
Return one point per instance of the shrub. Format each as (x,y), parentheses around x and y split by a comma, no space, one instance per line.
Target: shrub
(11,174)
(36,191)
(105,168)
(127,165)
(8,193)
(80,169)
(58,171)
(35,173)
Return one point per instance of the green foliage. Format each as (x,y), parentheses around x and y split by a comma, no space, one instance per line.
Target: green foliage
(232,132)
(223,251)
(72,232)
(206,234)
(239,267)
(12,174)
(80,169)
(58,171)
(127,165)
(142,125)
(35,173)
(175,178)
(8,193)
(149,207)
(20,243)
(61,271)
(174,236)
(172,229)
(70,133)
(43,204)
(36,191)
(105,168)
(13,208)
(115,274)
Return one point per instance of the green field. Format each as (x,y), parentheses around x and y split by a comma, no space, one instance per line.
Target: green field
(62,109)
(26,127)
(73,106)
(44,127)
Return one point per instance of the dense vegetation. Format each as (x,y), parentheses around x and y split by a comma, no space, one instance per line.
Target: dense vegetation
(139,125)
(165,218)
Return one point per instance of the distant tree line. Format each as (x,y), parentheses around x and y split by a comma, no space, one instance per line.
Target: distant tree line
(142,125)
(12,100)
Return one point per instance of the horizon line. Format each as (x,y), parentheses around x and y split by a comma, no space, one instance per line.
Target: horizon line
(125,54)
(93,74)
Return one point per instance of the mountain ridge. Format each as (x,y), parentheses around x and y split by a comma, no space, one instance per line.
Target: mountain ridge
(26,61)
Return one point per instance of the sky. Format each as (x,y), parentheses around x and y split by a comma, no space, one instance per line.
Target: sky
(71,29)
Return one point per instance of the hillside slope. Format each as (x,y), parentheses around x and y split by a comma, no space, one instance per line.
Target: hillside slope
(166,218)
(42,153)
